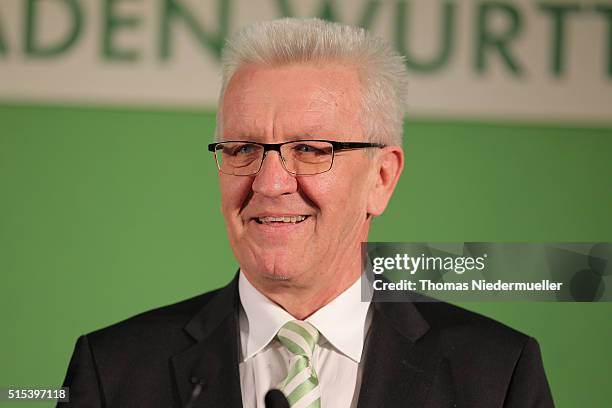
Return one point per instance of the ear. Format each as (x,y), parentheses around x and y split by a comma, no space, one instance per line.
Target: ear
(388,166)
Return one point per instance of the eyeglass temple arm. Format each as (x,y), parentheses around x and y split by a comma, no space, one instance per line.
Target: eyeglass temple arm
(355,145)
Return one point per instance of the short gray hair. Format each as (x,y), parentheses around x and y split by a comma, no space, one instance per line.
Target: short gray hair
(382,71)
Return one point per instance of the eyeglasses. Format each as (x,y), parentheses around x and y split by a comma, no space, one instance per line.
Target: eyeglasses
(298,157)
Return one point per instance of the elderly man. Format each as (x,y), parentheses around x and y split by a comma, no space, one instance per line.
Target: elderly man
(308,152)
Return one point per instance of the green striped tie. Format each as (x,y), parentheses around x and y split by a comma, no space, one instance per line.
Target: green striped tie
(301,386)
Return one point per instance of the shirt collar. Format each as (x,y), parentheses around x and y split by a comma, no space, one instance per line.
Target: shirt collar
(265,318)
(343,321)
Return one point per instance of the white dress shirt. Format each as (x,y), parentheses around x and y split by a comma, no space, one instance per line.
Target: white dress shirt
(343,324)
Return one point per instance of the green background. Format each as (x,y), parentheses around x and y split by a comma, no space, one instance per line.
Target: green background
(105,213)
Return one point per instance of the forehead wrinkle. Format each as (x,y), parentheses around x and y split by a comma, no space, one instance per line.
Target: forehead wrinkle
(324,98)
(248,113)
(330,107)
(339,100)
(320,119)
(298,123)
(253,101)
(241,124)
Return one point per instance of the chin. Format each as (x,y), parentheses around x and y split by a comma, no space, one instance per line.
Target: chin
(277,274)
(272,264)
(274,272)
(278,278)
(267,277)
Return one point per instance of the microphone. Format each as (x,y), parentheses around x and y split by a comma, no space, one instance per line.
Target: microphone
(199,384)
(276,399)
(206,368)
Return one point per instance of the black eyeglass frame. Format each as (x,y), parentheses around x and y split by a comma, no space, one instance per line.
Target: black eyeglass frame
(336,146)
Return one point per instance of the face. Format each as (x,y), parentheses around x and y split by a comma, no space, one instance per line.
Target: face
(278,104)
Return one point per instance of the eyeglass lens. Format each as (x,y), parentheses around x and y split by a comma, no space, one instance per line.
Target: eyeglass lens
(299,158)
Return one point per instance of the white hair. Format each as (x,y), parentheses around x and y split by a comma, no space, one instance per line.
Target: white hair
(381,70)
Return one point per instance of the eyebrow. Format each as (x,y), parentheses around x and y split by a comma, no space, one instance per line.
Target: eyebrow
(303,135)
(290,137)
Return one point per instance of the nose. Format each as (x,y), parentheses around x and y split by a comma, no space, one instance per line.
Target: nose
(272,179)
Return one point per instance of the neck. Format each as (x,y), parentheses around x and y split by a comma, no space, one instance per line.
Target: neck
(304,295)
(303,302)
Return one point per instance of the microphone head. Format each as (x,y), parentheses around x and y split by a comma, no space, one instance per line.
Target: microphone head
(276,399)
(205,370)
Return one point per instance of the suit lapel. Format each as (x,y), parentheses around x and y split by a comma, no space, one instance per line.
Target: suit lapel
(403,367)
(213,360)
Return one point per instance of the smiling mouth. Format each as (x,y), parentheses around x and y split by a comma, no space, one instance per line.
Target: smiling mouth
(294,219)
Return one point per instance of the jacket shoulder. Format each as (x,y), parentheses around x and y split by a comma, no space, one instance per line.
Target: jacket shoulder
(504,365)
(466,329)
(159,326)
(128,363)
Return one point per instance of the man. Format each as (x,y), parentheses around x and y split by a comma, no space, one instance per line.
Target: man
(308,150)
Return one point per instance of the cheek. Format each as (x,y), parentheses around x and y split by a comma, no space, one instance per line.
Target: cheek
(337,197)
(234,192)
(319,188)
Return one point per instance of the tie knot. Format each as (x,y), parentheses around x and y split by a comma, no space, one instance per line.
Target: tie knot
(299,337)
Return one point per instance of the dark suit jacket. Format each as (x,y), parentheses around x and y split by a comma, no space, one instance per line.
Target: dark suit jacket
(417,355)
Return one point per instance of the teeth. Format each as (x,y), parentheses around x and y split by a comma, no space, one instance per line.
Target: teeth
(292,220)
